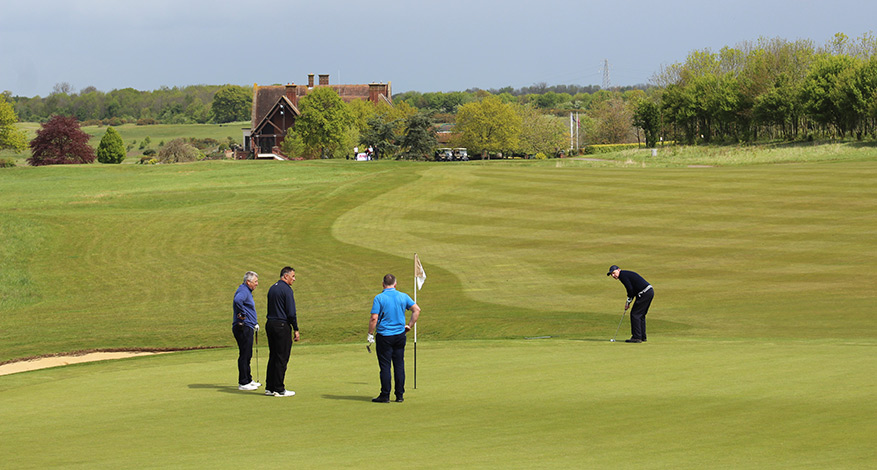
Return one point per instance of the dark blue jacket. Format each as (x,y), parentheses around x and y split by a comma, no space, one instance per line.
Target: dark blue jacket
(281,304)
(633,282)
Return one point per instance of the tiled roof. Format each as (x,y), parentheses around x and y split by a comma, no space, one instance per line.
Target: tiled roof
(264,98)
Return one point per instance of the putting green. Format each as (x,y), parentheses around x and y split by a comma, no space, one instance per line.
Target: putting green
(479,404)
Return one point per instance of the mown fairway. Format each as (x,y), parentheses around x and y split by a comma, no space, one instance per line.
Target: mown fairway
(761,336)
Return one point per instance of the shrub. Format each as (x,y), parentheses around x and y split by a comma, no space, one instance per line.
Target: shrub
(111,148)
(540,156)
(7,163)
(203,144)
(178,150)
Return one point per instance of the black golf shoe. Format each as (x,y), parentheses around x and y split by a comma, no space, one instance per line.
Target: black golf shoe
(399,399)
(381,399)
(633,340)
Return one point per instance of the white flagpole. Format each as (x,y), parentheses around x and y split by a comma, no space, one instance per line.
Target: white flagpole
(415,324)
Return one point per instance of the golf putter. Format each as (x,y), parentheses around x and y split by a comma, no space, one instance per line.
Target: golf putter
(619,326)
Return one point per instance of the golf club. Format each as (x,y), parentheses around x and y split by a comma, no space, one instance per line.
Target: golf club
(619,326)
(257,355)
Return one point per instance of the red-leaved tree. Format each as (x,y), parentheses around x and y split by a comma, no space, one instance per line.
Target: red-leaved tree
(60,141)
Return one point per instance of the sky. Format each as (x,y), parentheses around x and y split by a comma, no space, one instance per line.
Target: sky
(425,46)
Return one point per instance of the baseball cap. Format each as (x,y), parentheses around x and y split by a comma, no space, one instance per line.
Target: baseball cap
(612,268)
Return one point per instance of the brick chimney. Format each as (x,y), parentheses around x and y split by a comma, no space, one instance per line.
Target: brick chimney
(310,80)
(324,79)
(292,93)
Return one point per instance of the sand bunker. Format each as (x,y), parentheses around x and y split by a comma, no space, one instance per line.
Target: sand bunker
(56,361)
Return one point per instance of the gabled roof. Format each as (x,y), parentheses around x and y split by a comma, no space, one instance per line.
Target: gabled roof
(275,109)
(264,99)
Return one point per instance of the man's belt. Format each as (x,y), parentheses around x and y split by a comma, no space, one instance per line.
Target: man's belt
(644,290)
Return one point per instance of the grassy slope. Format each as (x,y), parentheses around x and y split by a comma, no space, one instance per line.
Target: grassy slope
(760,352)
(144,254)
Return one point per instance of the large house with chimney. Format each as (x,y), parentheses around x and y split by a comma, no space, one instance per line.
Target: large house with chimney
(275,110)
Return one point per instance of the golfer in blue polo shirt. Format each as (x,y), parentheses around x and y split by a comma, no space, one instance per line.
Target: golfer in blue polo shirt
(387,330)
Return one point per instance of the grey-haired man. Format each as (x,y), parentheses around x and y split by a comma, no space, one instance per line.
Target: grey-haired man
(244,323)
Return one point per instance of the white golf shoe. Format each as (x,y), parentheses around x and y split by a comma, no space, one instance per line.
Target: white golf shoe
(285,393)
(249,386)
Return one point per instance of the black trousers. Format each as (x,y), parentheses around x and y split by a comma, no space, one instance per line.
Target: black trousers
(244,336)
(391,353)
(638,314)
(279,346)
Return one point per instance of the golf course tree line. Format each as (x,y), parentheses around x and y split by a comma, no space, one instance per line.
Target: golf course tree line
(330,128)
(196,104)
(771,88)
(766,90)
(763,90)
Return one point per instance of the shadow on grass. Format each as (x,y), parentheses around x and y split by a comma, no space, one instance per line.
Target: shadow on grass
(348,397)
(218,388)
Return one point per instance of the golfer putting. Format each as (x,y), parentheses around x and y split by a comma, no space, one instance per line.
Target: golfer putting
(387,330)
(640,293)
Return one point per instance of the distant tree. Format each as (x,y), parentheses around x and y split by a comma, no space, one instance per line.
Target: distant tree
(380,134)
(179,150)
(420,138)
(198,112)
(488,125)
(62,88)
(613,122)
(822,92)
(324,120)
(111,148)
(541,132)
(361,111)
(232,103)
(60,141)
(647,116)
(292,145)
(10,137)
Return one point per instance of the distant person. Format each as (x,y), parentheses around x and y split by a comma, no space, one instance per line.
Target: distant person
(280,325)
(387,329)
(243,326)
(641,293)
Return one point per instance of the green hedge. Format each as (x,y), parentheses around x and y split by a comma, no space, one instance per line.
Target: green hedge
(607,148)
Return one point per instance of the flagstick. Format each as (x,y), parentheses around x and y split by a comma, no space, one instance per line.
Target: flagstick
(415,324)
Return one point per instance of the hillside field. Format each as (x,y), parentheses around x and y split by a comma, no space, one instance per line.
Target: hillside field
(134,134)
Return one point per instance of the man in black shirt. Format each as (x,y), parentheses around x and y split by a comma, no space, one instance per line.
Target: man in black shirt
(639,289)
(280,323)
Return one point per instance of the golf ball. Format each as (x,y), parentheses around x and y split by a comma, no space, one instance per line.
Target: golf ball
(612,340)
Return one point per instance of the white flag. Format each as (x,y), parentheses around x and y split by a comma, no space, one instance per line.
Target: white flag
(419,273)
